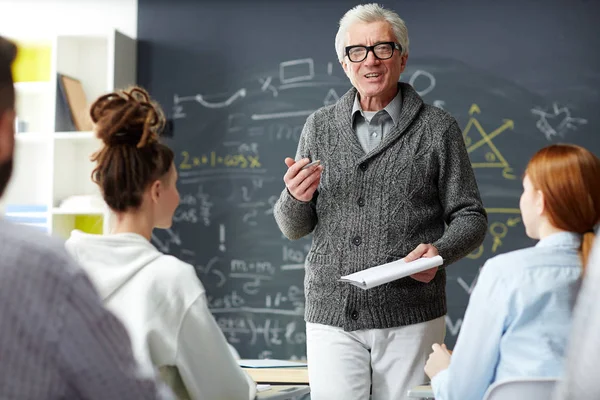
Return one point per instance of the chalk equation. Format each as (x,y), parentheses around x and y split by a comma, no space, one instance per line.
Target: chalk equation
(212,159)
(262,332)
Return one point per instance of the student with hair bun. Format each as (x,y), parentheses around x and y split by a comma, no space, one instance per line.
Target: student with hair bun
(518,321)
(158,297)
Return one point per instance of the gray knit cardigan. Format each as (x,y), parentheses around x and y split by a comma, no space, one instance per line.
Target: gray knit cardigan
(417,186)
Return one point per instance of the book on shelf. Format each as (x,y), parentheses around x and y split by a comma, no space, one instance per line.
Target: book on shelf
(71,106)
(375,276)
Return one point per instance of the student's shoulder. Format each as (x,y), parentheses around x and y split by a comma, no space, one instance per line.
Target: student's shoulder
(510,263)
(26,248)
(171,271)
(36,266)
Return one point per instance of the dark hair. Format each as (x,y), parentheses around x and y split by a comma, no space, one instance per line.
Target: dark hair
(129,123)
(8,53)
(567,175)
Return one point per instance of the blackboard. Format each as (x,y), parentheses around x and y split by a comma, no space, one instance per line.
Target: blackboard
(239,78)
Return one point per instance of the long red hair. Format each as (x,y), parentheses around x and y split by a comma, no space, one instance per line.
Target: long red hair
(569,178)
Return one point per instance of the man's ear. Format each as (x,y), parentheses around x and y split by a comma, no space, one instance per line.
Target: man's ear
(7,134)
(155,190)
(403,60)
(344,66)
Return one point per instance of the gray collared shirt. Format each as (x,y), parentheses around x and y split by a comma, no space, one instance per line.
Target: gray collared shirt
(370,126)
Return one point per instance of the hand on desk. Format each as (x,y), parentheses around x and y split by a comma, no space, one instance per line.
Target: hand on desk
(438,361)
(427,251)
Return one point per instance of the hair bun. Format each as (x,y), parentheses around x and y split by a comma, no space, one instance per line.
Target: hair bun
(123,138)
(127,117)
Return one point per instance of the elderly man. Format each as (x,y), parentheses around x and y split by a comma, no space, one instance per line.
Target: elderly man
(394,182)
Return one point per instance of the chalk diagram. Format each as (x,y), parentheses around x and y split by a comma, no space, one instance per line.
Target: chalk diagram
(557,122)
(480,145)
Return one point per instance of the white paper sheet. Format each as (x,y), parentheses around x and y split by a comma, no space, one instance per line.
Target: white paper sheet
(391,271)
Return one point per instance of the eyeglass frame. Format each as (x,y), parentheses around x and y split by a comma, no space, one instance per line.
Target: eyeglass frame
(395,46)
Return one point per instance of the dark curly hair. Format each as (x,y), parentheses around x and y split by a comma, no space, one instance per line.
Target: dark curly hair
(129,123)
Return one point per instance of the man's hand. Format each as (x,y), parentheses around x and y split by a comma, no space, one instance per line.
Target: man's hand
(427,251)
(438,361)
(302,184)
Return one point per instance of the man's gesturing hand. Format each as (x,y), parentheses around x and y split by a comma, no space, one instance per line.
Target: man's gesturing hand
(302,183)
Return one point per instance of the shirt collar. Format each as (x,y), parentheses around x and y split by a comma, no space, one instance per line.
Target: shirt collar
(393,108)
(561,239)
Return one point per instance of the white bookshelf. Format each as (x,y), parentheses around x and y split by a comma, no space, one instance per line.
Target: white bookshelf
(52,166)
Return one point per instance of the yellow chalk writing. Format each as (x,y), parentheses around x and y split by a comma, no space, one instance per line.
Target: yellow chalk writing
(214,160)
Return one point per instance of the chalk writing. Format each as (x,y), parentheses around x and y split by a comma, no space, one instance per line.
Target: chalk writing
(492,157)
(556,122)
(213,160)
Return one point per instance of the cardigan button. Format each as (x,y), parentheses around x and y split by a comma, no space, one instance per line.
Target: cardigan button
(363,166)
(360,202)
(354,315)
(357,240)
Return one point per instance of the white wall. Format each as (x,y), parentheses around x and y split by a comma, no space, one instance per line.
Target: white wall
(35,18)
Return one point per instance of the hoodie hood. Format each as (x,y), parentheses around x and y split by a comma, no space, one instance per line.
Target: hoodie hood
(111,260)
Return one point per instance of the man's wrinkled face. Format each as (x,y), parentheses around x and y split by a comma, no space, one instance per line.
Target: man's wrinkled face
(373,77)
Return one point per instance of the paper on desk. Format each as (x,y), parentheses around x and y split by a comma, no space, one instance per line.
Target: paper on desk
(391,271)
(270,364)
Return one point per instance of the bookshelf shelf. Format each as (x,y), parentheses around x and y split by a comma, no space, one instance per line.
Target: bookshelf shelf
(87,135)
(33,137)
(52,164)
(77,211)
(32,87)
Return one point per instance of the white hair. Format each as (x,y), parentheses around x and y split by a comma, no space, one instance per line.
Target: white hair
(370,13)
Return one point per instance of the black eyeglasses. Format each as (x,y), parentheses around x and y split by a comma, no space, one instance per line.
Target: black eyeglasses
(382,51)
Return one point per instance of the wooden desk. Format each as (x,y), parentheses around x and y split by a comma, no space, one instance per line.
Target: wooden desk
(283,392)
(421,392)
(279,375)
